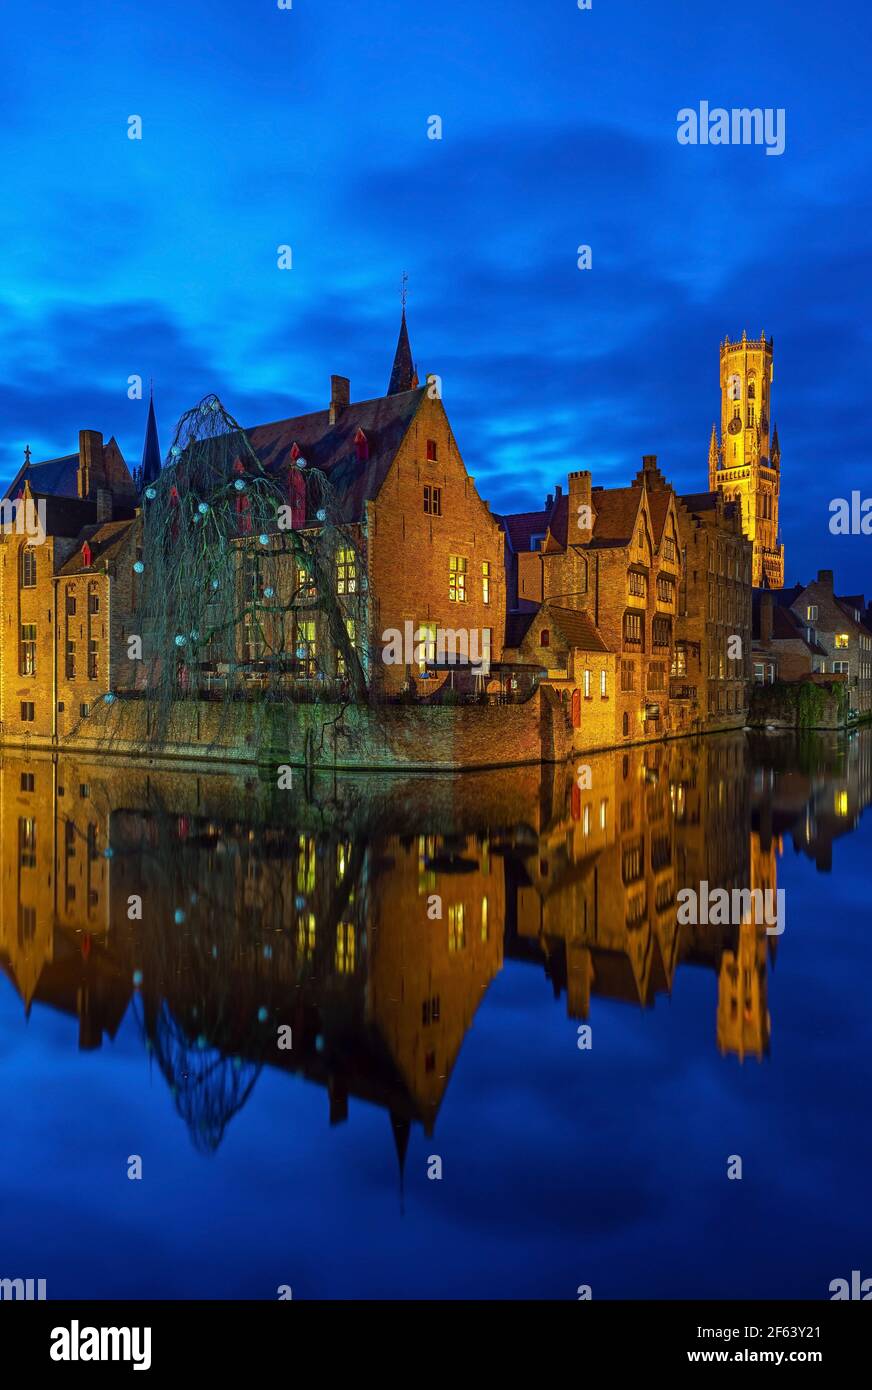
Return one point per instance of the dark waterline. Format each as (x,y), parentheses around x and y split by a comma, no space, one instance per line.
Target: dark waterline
(456,1038)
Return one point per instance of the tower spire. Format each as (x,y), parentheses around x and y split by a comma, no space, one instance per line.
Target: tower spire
(150,467)
(404,377)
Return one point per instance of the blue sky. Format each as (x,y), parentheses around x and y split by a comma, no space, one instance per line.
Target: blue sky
(308,127)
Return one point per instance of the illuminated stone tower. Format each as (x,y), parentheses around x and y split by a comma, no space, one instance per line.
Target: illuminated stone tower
(745,465)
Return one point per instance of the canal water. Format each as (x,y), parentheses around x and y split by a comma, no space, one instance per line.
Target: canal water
(432,1037)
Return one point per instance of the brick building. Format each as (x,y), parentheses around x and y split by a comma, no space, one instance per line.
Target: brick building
(835,631)
(429,551)
(62,610)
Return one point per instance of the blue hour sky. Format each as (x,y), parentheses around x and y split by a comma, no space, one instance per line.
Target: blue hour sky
(308,127)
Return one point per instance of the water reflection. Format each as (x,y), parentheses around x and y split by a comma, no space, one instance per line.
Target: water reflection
(369,915)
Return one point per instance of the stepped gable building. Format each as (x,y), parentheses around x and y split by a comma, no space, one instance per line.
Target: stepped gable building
(61,630)
(603,553)
(710,669)
(746,464)
(431,550)
(661,582)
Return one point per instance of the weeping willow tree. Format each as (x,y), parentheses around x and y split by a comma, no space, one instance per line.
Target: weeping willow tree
(248,590)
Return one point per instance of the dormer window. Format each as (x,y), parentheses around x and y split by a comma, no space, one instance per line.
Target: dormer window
(361,446)
(295,451)
(535,541)
(86,556)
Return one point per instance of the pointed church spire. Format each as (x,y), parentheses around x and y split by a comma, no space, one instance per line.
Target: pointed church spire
(776,447)
(403,377)
(151,449)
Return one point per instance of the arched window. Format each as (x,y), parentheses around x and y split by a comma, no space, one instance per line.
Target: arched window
(626,724)
(751,389)
(28,567)
(545,637)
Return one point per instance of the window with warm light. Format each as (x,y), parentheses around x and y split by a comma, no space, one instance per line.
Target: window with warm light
(842,640)
(456,928)
(457,565)
(841,802)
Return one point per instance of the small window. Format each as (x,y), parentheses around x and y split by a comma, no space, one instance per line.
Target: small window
(28,713)
(84,790)
(626,724)
(587,694)
(545,637)
(604,690)
(485,581)
(432,452)
(27,781)
(84,710)
(93,600)
(432,500)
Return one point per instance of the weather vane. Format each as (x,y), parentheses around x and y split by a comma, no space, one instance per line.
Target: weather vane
(405,283)
(27,453)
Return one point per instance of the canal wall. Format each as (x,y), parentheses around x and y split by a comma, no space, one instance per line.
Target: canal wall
(799,705)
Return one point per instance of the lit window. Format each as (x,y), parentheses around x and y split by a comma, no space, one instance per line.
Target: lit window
(587,684)
(842,639)
(345,948)
(27,651)
(346,572)
(841,803)
(457,578)
(603,684)
(425,650)
(485,581)
(456,930)
(340,655)
(484,921)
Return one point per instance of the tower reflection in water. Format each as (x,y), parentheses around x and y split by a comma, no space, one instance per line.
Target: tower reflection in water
(369,916)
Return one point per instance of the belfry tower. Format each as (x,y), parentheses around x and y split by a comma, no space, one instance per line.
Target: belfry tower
(746,465)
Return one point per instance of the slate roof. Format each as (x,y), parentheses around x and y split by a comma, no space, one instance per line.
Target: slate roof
(330,448)
(578,628)
(615,510)
(55,477)
(105,539)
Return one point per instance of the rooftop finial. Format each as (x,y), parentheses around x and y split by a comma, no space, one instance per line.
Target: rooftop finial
(27,455)
(404,288)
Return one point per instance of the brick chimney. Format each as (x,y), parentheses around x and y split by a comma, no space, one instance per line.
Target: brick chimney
(579,498)
(766,617)
(340,396)
(91,473)
(104,504)
(825,577)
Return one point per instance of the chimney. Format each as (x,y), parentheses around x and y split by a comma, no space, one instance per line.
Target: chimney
(558,491)
(104,504)
(549,501)
(766,617)
(649,462)
(825,577)
(580,508)
(91,472)
(340,396)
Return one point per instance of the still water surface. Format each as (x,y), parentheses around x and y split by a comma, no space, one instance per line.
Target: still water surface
(311,915)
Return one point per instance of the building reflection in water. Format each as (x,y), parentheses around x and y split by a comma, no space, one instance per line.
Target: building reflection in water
(262,910)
